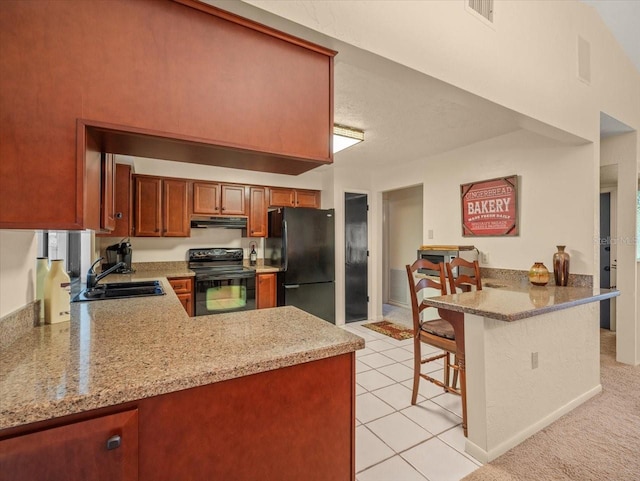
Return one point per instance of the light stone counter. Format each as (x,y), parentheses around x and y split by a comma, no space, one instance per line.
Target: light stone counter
(116,351)
(510,303)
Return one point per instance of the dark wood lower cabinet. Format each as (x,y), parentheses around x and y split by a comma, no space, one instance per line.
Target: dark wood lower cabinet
(290,424)
(266,290)
(183,287)
(102,448)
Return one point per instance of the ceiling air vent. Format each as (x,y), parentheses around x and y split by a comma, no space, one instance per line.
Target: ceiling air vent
(483,7)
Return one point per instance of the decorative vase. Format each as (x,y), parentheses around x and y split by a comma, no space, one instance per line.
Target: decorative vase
(42,269)
(561,266)
(56,294)
(538,274)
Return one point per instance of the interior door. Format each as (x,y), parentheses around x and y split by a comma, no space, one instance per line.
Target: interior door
(356,257)
(605,257)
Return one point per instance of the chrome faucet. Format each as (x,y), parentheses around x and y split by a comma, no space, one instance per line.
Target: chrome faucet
(93,278)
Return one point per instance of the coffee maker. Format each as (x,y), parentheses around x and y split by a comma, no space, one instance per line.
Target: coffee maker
(120,252)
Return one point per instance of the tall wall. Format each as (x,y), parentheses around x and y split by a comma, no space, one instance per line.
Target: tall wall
(555,198)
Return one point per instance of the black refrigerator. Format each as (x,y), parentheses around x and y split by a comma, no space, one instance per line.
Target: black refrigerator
(301,242)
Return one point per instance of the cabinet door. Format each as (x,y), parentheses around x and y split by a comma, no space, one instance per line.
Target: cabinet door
(108,197)
(148,198)
(93,450)
(123,201)
(279,197)
(187,303)
(257,212)
(308,198)
(232,200)
(266,291)
(175,209)
(206,198)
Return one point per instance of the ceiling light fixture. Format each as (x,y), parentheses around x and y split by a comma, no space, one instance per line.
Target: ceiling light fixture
(344,137)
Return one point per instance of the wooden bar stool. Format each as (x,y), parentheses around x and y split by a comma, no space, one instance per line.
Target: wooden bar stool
(436,332)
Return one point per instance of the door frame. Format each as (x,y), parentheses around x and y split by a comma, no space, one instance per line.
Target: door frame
(613,233)
(340,256)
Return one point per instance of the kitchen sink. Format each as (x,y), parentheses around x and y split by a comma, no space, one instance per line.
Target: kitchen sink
(120,290)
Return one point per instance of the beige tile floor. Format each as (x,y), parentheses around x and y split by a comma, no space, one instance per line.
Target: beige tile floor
(394,440)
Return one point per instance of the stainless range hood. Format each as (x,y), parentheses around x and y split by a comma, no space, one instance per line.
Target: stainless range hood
(219,222)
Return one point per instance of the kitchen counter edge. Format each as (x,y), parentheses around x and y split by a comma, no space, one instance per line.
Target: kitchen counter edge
(147,347)
(512,303)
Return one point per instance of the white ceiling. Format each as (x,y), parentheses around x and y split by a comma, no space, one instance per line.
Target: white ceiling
(407,115)
(623,19)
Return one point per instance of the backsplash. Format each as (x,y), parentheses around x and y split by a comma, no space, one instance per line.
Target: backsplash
(521,278)
(17,323)
(163,249)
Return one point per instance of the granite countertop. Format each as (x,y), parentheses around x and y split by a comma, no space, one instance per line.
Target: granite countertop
(511,303)
(116,351)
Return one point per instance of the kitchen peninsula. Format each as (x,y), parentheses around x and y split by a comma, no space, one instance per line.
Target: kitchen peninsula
(527,355)
(258,394)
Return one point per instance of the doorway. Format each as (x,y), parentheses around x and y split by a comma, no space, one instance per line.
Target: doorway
(356,256)
(605,257)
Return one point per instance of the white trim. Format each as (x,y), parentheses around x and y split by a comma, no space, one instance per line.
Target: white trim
(487,456)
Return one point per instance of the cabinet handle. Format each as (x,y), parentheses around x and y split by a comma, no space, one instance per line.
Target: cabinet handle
(114,442)
(223,208)
(118,215)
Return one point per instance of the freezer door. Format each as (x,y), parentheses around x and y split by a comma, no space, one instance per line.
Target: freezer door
(308,245)
(317,299)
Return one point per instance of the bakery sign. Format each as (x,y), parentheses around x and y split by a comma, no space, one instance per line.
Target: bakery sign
(490,207)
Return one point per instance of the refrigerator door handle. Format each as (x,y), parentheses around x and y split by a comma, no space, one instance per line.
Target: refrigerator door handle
(292,286)
(285,257)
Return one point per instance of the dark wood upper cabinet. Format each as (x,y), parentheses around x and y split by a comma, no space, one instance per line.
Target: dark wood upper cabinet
(257,225)
(212,198)
(161,207)
(206,198)
(148,206)
(217,89)
(284,197)
(175,208)
(123,201)
(108,195)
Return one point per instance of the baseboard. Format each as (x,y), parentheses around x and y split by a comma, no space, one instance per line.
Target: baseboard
(485,456)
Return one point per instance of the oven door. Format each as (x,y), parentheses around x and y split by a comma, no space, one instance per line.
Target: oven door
(217,294)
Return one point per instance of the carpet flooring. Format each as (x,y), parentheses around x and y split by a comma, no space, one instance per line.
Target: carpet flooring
(598,441)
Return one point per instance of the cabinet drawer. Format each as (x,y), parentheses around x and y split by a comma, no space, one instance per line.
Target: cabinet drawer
(96,449)
(181,285)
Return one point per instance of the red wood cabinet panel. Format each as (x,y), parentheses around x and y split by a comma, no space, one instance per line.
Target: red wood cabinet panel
(206,198)
(303,427)
(175,208)
(148,206)
(213,79)
(308,198)
(266,290)
(75,451)
(232,199)
(282,197)
(257,212)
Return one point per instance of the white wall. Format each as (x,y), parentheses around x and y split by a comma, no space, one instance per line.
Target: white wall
(622,150)
(18,252)
(555,198)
